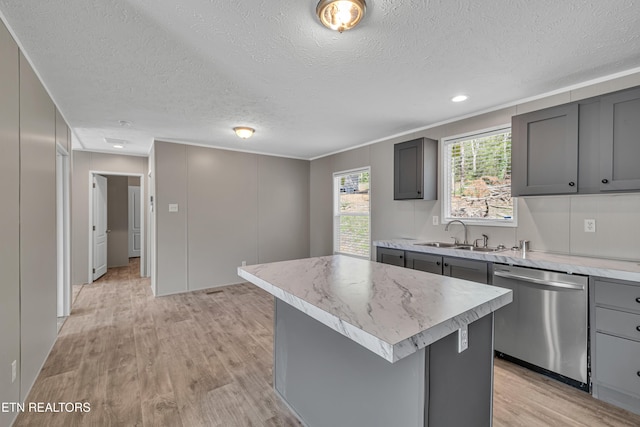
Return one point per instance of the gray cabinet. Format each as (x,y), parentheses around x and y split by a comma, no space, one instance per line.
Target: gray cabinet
(390,256)
(415,169)
(424,262)
(544,151)
(585,147)
(620,139)
(476,271)
(615,340)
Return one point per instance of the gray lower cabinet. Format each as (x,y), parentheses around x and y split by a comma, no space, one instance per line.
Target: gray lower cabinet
(476,271)
(424,262)
(390,256)
(544,151)
(461,268)
(615,340)
(620,139)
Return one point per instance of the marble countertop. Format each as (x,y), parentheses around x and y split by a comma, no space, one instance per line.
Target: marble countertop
(392,311)
(615,269)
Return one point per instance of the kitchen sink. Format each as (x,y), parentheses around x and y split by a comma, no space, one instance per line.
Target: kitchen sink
(478,249)
(438,244)
(458,246)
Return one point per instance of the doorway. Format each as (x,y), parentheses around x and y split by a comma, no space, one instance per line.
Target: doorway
(117,229)
(63,233)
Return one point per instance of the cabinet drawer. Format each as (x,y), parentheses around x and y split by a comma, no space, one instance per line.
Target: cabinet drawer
(390,256)
(618,295)
(618,322)
(618,363)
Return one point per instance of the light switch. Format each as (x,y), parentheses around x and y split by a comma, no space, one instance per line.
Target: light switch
(173,207)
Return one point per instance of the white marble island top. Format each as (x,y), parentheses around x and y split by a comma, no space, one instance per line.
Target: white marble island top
(392,311)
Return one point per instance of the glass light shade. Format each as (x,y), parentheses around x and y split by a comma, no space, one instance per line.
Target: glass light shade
(244,132)
(340,15)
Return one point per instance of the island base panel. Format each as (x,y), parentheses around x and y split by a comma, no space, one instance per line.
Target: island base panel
(329,380)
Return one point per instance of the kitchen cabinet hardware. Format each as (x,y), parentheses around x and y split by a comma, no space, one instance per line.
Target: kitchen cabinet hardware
(638,300)
(438,263)
(572,184)
(638,328)
(446,264)
(638,373)
(605,181)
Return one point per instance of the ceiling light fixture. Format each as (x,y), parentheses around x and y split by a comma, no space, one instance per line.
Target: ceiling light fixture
(459,98)
(244,132)
(340,15)
(118,146)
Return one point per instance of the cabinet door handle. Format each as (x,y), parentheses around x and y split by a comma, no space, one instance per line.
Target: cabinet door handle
(638,373)
(638,300)
(638,328)
(571,184)
(400,256)
(446,265)
(438,263)
(605,181)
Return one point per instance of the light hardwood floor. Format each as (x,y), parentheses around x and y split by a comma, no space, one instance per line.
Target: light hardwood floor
(204,359)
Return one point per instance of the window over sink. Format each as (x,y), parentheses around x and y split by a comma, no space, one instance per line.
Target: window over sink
(352,207)
(477,178)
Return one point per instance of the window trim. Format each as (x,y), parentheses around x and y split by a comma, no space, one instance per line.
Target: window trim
(446,168)
(336,211)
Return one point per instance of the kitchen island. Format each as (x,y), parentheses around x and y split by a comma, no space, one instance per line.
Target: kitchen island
(360,343)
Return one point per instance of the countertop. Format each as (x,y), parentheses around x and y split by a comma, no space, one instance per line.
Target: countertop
(615,269)
(392,311)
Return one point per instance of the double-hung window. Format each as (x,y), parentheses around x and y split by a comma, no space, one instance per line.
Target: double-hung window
(477,178)
(351,218)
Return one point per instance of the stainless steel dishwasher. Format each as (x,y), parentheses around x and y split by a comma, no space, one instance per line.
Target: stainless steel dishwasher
(545,327)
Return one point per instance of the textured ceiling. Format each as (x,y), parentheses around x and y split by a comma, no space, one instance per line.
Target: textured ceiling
(192,70)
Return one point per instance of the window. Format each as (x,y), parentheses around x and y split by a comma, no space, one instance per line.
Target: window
(351,223)
(477,178)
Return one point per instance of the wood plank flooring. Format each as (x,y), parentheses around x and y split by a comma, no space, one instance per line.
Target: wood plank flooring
(205,358)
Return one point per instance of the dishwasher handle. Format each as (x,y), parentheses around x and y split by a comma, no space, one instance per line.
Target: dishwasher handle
(549,283)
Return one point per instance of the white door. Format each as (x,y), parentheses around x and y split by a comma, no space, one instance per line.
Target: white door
(100,232)
(134,221)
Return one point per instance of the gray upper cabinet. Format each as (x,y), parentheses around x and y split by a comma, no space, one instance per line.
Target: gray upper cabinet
(415,169)
(545,151)
(620,141)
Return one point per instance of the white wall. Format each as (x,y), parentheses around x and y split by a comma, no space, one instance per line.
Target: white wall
(552,223)
(232,207)
(83,162)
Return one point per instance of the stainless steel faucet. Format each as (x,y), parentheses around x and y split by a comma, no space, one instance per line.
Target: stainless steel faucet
(446,228)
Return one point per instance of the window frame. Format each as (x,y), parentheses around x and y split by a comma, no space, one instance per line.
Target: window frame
(446,168)
(336,211)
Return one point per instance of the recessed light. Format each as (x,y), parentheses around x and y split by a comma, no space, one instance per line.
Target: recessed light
(459,98)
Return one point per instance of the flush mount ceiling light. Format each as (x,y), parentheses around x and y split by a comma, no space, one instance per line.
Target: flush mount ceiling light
(459,98)
(340,15)
(116,143)
(244,132)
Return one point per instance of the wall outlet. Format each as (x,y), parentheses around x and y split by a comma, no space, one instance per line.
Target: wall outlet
(463,338)
(589,225)
(173,207)
(14,371)
(244,263)
(435,220)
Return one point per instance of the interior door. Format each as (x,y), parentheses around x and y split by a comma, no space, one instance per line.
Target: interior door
(100,232)
(134,221)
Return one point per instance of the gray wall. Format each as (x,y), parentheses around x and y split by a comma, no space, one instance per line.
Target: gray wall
(118,220)
(9,220)
(232,207)
(29,127)
(552,223)
(83,162)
